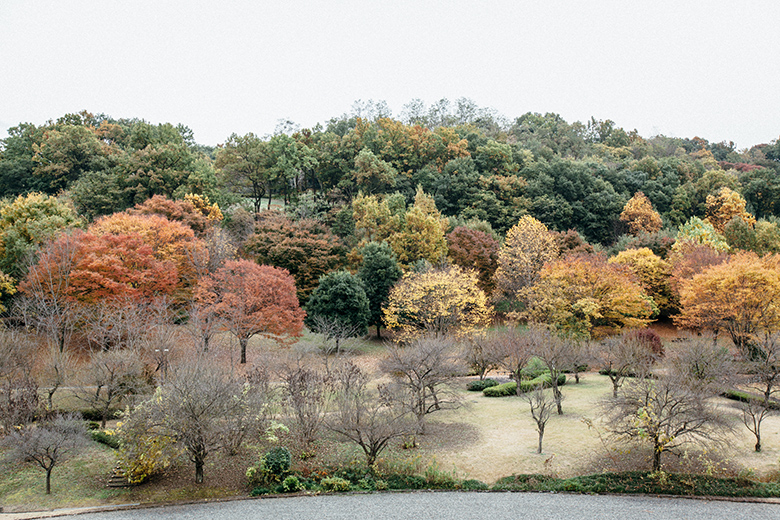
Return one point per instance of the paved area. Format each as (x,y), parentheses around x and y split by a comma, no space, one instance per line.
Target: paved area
(430,506)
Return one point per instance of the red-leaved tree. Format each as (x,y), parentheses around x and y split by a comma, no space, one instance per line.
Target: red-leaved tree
(252,299)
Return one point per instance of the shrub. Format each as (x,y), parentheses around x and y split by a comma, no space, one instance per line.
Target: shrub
(103,437)
(90,414)
(291,484)
(276,461)
(534,369)
(745,397)
(335,484)
(259,491)
(481,384)
(473,485)
(406,482)
(650,339)
(508,389)
(502,390)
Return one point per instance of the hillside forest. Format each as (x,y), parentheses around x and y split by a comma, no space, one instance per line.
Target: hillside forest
(121,239)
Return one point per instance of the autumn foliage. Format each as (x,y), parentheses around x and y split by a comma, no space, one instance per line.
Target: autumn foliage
(740,295)
(252,299)
(474,249)
(587,296)
(437,301)
(639,215)
(527,248)
(306,248)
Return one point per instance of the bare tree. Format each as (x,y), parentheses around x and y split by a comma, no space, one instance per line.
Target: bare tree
(702,363)
(203,323)
(554,351)
(18,389)
(483,353)
(116,323)
(511,348)
(307,396)
(111,376)
(58,368)
(666,412)
(370,419)
(761,364)
(160,334)
(47,443)
(541,408)
(195,407)
(45,303)
(580,356)
(423,373)
(335,334)
(623,356)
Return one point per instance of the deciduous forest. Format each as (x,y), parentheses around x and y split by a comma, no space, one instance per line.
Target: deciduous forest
(147,276)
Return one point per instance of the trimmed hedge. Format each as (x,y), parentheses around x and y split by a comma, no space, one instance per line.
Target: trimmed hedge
(642,483)
(510,388)
(481,384)
(745,397)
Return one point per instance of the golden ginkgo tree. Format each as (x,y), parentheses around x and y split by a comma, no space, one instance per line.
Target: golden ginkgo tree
(437,301)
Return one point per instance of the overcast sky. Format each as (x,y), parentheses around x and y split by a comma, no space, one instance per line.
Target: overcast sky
(679,68)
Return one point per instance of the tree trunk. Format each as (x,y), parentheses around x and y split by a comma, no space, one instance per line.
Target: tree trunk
(243,342)
(557,394)
(656,458)
(199,471)
(378,333)
(541,435)
(758,441)
(48,479)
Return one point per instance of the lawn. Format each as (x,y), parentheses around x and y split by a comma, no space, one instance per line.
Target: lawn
(485,439)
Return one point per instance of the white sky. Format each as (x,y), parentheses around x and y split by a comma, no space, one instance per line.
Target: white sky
(679,68)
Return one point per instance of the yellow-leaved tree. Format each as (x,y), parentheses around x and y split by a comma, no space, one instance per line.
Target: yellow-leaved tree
(585,296)
(653,272)
(416,233)
(527,248)
(724,206)
(437,301)
(639,215)
(422,237)
(741,295)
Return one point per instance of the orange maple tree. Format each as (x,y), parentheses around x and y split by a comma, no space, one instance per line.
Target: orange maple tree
(170,241)
(251,299)
(122,265)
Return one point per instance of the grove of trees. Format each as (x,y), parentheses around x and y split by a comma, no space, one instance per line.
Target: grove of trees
(474,241)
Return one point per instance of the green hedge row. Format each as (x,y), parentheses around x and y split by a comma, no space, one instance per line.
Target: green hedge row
(510,388)
(745,397)
(642,483)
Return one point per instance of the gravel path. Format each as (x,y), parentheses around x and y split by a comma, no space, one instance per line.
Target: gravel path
(464,505)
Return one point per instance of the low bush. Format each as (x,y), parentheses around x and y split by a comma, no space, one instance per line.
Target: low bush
(745,397)
(335,484)
(481,384)
(508,389)
(473,485)
(535,368)
(105,438)
(502,390)
(277,460)
(642,483)
(291,484)
(90,414)
(406,482)
(259,491)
